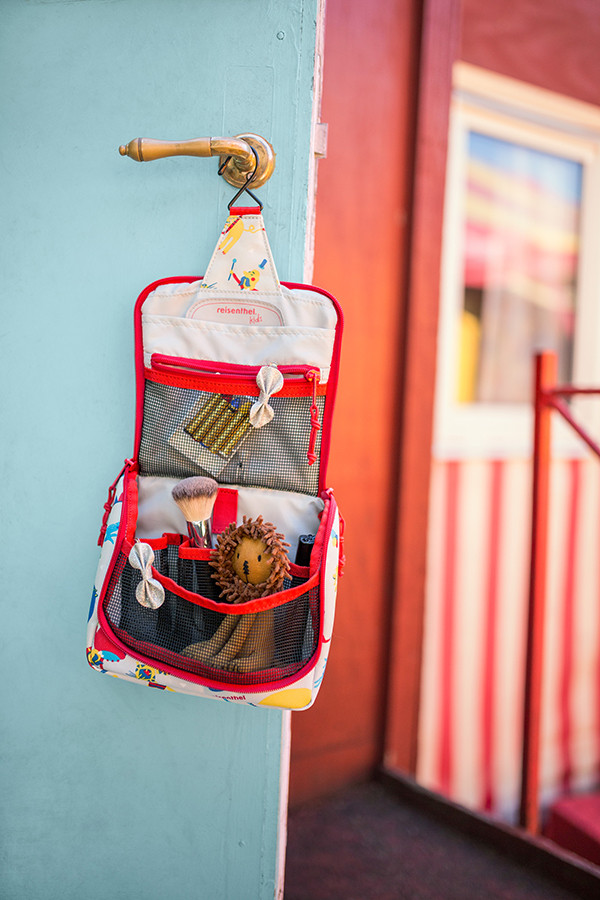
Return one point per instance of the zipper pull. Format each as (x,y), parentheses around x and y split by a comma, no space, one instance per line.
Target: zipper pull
(315,425)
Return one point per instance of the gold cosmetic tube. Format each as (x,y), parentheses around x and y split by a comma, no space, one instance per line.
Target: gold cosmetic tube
(210,436)
(240,418)
(231,444)
(206,414)
(208,419)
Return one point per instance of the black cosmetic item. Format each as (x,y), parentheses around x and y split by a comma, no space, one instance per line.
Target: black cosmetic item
(305,545)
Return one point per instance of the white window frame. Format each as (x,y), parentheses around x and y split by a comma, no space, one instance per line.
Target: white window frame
(513,111)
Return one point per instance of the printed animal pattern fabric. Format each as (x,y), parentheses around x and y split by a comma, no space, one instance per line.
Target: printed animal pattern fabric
(242,260)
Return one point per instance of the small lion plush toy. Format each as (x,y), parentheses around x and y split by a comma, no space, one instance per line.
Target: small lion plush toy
(250,561)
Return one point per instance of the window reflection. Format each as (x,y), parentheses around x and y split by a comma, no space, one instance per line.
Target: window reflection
(522,212)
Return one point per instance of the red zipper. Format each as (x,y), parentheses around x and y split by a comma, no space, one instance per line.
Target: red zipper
(225,371)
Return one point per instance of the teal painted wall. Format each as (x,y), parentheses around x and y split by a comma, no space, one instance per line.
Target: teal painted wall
(110,789)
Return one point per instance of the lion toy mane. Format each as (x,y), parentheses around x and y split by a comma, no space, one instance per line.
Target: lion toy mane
(274,562)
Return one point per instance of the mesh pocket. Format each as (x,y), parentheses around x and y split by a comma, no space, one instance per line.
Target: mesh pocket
(248,648)
(274,456)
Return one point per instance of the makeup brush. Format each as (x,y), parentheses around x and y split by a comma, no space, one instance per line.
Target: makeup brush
(195,497)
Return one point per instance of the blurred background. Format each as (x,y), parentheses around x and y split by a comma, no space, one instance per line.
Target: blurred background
(457,222)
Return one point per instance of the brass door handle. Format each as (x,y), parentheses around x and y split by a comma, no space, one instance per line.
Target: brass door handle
(236,153)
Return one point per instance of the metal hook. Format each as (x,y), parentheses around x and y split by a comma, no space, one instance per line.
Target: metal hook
(245,187)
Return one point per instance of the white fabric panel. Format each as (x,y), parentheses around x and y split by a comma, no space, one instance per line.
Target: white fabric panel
(262,345)
(296,307)
(292,514)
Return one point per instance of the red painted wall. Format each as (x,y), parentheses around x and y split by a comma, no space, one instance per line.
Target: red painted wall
(360,256)
(379,206)
(554,44)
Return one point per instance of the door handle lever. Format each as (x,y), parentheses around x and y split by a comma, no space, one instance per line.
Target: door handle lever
(236,154)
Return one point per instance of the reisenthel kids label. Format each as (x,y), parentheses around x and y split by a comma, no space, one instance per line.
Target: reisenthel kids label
(234,311)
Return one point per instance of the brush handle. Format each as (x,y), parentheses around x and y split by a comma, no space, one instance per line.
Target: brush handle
(200,534)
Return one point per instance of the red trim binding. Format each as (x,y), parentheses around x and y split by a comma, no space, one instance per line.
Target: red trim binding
(211,683)
(245,211)
(315,425)
(225,509)
(110,502)
(161,362)
(189,551)
(317,555)
(333,377)
(224,383)
(186,550)
(129,471)
(204,672)
(250,606)
(139,350)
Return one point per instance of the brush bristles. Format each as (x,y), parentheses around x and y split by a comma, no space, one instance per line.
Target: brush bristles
(195,497)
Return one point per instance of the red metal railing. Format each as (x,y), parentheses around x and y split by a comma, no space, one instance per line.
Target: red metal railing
(549,397)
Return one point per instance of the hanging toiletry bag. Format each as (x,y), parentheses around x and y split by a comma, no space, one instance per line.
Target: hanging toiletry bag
(236,378)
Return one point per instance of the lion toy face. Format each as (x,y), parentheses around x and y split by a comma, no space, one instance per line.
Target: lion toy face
(250,561)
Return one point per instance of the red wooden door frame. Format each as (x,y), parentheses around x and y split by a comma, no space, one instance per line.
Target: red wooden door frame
(439,49)
(362,224)
(386,95)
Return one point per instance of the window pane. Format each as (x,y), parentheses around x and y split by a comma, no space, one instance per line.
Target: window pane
(522,211)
